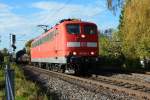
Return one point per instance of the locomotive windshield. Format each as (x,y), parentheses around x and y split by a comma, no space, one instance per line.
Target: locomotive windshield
(73,28)
(90,29)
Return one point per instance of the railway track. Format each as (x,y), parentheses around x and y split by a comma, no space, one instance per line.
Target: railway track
(147,73)
(136,77)
(138,86)
(141,91)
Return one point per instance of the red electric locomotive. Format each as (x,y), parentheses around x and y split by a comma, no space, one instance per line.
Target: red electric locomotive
(66,46)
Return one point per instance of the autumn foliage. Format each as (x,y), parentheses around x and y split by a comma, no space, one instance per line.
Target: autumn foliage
(135,29)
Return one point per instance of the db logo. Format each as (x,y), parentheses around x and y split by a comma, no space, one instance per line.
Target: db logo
(83,44)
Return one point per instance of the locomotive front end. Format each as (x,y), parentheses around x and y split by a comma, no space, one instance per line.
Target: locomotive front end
(81,43)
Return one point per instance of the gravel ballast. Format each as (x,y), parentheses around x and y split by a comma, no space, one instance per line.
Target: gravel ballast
(68,91)
(134,77)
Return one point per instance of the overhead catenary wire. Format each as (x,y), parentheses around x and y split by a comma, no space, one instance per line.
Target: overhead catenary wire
(60,9)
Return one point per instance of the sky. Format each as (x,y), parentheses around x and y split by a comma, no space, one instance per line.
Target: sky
(21,17)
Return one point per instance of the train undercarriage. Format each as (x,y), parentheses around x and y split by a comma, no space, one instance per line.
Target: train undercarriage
(74,65)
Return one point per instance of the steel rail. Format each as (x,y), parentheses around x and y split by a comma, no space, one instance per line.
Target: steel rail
(9,91)
(123,81)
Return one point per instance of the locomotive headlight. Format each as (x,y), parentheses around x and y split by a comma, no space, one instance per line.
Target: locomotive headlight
(74,53)
(83,36)
(92,53)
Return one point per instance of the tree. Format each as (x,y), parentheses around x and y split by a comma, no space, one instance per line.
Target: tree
(6,55)
(114,4)
(1,58)
(110,44)
(104,45)
(28,46)
(20,53)
(5,52)
(135,29)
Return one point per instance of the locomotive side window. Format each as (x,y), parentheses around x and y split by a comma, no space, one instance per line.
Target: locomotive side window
(90,29)
(46,38)
(73,28)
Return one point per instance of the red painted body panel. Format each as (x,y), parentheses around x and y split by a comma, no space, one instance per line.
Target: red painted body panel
(51,48)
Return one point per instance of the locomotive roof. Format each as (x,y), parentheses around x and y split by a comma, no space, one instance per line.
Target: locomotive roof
(61,22)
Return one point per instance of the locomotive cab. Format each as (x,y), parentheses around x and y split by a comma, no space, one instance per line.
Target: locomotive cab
(81,42)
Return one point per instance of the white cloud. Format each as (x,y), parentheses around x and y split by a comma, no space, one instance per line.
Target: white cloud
(53,11)
(46,5)
(10,22)
(49,13)
(4,7)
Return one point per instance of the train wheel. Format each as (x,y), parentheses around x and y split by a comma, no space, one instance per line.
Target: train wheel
(69,69)
(34,64)
(62,69)
(77,69)
(39,65)
(47,66)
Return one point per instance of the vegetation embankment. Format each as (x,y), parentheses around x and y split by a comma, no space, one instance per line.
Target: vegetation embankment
(130,43)
(24,89)
(2,83)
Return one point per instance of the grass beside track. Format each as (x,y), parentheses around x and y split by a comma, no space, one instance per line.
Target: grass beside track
(24,89)
(2,84)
